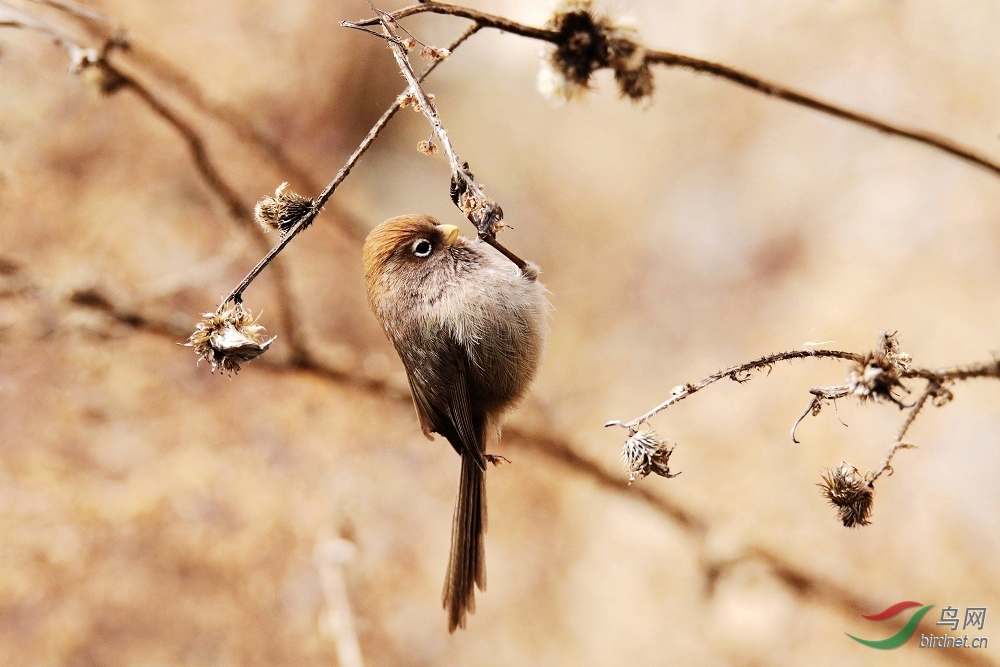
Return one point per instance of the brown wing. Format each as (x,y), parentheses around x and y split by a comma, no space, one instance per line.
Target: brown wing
(450,415)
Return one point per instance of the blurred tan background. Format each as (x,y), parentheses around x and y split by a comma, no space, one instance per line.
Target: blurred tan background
(152,513)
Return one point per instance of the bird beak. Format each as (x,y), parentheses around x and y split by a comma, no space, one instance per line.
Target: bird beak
(449,233)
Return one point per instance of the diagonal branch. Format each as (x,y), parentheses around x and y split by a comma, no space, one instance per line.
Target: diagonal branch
(328,191)
(778,91)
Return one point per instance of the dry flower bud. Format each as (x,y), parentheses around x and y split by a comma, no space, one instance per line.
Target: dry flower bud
(888,351)
(434,53)
(878,376)
(427,147)
(646,452)
(283,210)
(228,339)
(846,490)
(407,99)
(587,42)
(409,43)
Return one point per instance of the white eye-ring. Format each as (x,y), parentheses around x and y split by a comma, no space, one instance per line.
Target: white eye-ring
(422,247)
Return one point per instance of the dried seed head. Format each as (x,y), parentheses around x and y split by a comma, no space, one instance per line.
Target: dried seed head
(427,147)
(637,85)
(878,376)
(888,351)
(646,452)
(228,339)
(627,57)
(409,43)
(283,210)
(434,53)
(555,87)
(407,99)
(587,42)
(846,490)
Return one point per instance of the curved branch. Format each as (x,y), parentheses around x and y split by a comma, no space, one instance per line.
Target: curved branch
(741,373)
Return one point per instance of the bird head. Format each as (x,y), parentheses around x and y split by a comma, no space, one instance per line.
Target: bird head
(406,250)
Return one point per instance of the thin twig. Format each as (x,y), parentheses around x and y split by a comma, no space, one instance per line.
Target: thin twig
(726,72)
(741,373)
(770,89)
(481,210)
(328,191)
(468,195)
(107,29)
(482,19)
(11,17)
(820,394)
(931,390)
(978,370)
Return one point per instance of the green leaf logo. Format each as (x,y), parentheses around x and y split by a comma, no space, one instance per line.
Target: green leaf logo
(900,637)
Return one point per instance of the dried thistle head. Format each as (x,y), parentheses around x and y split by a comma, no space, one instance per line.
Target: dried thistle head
(632,74)
(408,99)
(555,87)
(283,210)
(646,452)
(434,53)
(878,376)
(427,147)
(888,351)
(846,489)
(589,41)
(228,339)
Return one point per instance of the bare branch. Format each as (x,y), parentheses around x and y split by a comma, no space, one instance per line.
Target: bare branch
(482,19)
(328,191)
(468,195)
(932,389)
(770,89)
(741,374)
(731,74)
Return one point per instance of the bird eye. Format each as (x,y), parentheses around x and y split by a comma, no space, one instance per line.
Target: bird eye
(422,248)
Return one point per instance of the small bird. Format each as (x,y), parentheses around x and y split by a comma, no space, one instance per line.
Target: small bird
(469,326)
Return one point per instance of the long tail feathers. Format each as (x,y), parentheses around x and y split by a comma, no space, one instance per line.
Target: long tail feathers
(467,563)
